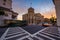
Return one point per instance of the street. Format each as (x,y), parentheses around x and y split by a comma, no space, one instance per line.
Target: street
(33,28)
(2,30)
(32,32)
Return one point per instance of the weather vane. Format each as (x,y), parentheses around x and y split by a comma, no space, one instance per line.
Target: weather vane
(31,4)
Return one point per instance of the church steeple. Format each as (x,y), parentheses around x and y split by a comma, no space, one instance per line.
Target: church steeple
(31,10)
(30,4)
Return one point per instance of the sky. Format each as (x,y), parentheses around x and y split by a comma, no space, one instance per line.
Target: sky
(45,7)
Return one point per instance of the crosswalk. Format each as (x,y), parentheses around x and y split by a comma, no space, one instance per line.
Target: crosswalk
(17,33)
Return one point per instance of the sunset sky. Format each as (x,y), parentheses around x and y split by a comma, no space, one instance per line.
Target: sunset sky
(45,7)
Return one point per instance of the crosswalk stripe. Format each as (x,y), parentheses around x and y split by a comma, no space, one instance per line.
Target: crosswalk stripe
(16,35)
(13,33)
(38,38)
(3,36)
(46,36)
(23,37)
(26,32)
(30,38)
(52,30)
(50,34)
(40,31)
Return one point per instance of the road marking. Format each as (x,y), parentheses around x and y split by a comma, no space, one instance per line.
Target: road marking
(40,31)
(28,35)
(30,38)
(50,29)
(15,35)
(46,36)
(26,32)
(38,38)
(23,37)
(3,36)
(50,34)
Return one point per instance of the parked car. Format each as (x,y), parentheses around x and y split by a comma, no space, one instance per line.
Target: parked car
(46,24)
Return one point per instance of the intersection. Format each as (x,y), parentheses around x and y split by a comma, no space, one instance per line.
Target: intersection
(19,33)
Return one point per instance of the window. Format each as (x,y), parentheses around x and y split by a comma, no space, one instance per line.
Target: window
(2,12)
(4,0)
(6,14)
(13,16)
(4,4)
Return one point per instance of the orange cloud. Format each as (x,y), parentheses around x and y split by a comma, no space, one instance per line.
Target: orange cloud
(19,17)
(50,13)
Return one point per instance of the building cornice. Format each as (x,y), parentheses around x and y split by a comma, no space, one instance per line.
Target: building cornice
(3,8)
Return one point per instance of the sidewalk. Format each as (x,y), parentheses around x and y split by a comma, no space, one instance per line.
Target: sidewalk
(59,29)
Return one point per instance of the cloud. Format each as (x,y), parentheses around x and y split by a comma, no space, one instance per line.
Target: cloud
(50,13)
(44,7)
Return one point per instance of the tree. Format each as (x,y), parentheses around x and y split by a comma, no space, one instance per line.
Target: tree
(53,20)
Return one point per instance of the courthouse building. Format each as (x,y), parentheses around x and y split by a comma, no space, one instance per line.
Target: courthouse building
(6,12)
(33,18)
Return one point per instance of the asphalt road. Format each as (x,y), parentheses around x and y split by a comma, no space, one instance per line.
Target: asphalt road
(2,30)
(32,32)
(33,28)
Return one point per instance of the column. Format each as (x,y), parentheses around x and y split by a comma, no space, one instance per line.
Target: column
(57,6)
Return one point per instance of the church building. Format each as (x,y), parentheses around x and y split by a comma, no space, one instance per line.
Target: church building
(33,18)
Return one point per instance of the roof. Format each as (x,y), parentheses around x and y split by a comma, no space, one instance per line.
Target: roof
(14,13)
(31,8)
